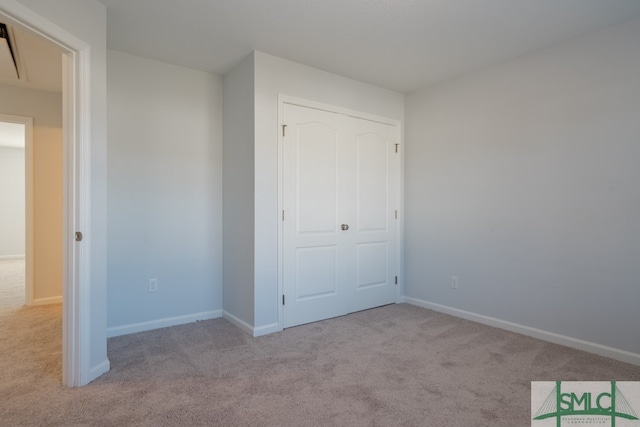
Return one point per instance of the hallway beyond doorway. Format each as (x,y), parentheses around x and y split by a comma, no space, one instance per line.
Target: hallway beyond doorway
(12,276)
(31,337)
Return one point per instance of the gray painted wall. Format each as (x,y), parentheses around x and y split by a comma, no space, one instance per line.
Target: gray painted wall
(523,181)
(238,199)
(165,191)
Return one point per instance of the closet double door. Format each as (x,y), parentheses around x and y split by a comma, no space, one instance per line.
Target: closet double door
(340,190)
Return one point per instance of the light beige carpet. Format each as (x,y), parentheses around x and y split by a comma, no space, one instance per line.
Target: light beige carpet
(395,365)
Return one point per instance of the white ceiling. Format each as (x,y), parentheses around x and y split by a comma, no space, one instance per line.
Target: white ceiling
(11,135)
(398,44)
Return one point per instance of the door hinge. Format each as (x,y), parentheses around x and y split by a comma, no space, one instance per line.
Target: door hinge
(396,280)
(396,214)
(283,130)
(78,236)
(397,147)
(282,299)
(283,215)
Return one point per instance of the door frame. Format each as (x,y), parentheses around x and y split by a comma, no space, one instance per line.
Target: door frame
(27,122)
(301,102)
(76,100)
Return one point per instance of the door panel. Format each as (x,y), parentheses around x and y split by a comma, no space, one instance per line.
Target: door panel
(373,178)
(339,181)
(316,178)
(372,264)
(312,253)
(375,200)
(316,272)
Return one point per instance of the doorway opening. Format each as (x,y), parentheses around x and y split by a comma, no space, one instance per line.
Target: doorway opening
(76,102)
(13,215)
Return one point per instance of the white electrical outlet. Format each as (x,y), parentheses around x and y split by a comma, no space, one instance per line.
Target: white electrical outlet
(454,282)
(153,285)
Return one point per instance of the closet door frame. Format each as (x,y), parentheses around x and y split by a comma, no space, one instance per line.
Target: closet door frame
(286,99)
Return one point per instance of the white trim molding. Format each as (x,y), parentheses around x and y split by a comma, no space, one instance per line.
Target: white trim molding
(238,322)
(251,330)
(133,328)
(47,301)
(8,257)
(602,350)
(100,369)
(266,329)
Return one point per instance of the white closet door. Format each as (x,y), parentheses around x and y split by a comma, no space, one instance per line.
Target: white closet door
(339,189)
(372,238)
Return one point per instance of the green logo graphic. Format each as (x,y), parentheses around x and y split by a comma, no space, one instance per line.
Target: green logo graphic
(611,404)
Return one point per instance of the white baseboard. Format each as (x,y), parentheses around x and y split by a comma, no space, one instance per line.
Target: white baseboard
(98,370)
(47,301)
(266,329)
(162,323)
(3,257)
(253,331)
(238,322)
(602,350)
